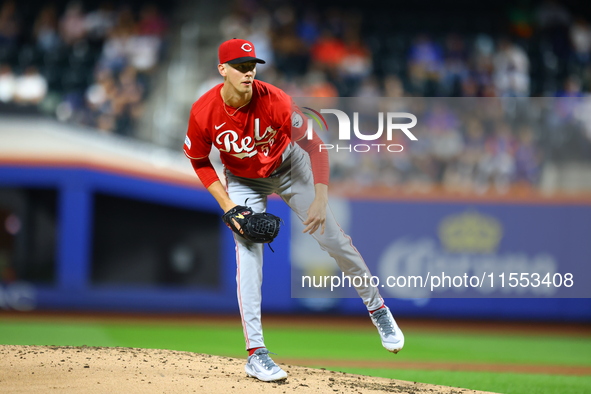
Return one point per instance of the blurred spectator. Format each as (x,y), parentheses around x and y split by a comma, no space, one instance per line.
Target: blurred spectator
(511,70)
(483,45)
(100,98)
(553,22)
(143,51)
(580,35)
(45,29)
(100,21)
(291,53)
(367,170)
(100,94)
(564,109)
(572,87)
(7,83)
(115,103)
(394,169)
(469,87)
(260,36)
(233,25)
(72,25)
(9,24)
(425,63)
(355,65)
(447,143)
(115,49)
(317,85)
(127,104)
(455,66)
(497,166)
(308,28)
(151,21)
(125,18)
(146,45)
(119,46)
(123,46)
(30,87)
(527,158)
(324,51)
(393,86)
(426,53)
(469,158)
(284,15)
(482,68)
(369,88)
(440,118)
(328,52)
(293,86)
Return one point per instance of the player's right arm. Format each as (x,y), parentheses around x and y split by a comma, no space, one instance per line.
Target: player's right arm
(218,192)
(197,148)
(210,180)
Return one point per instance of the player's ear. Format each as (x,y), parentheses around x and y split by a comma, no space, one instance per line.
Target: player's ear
(222,70)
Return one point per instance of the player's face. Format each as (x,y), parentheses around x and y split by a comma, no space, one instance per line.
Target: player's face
(240,75)
(244,67)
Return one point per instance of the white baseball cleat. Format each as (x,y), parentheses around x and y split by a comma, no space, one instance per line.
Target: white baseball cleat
(391,336)
(261,366)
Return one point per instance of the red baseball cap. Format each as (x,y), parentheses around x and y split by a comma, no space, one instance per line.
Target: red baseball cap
(236,51)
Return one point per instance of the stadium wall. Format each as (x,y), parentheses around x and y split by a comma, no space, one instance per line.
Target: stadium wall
(74,245)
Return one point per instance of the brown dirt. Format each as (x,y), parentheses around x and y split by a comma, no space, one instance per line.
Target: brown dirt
(80,370)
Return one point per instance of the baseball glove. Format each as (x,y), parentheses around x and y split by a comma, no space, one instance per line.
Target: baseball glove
(255,227)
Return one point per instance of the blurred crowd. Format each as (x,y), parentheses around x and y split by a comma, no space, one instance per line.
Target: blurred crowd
(534,50)
(464,146)
(91,65)
(94,63)
(543,50)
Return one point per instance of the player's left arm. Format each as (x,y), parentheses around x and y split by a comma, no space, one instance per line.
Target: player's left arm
(320,170)
(317,211)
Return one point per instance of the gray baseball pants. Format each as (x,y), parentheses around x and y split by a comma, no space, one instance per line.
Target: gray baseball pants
(293,182)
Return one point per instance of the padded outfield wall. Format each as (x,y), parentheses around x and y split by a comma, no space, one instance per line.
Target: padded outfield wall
(99,223)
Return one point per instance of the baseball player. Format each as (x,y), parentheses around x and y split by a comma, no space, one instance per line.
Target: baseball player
(264,150)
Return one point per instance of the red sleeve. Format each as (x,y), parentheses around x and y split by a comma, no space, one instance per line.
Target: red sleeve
(197,142)
(318,158)
(205,171)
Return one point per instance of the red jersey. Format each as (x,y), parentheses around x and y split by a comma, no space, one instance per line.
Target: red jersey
(251,139)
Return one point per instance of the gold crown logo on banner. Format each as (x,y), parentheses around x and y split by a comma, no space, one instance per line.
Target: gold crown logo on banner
(470,232)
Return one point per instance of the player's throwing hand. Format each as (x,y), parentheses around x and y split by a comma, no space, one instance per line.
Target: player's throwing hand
(317,211)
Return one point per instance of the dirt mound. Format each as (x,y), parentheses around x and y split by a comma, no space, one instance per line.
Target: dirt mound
(58,369)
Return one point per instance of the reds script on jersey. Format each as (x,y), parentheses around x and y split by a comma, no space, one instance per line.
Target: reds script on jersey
(259,132)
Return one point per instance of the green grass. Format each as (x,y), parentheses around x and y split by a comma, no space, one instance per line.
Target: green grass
(444,347)
(508,383)
(218,340)
(351,344)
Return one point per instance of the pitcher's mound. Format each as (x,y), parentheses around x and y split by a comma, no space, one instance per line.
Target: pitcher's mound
(59,369)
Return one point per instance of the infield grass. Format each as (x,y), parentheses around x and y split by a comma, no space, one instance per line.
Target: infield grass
(343,344)
(509,383)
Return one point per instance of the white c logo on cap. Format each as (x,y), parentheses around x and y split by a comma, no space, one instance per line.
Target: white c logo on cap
(246,47)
